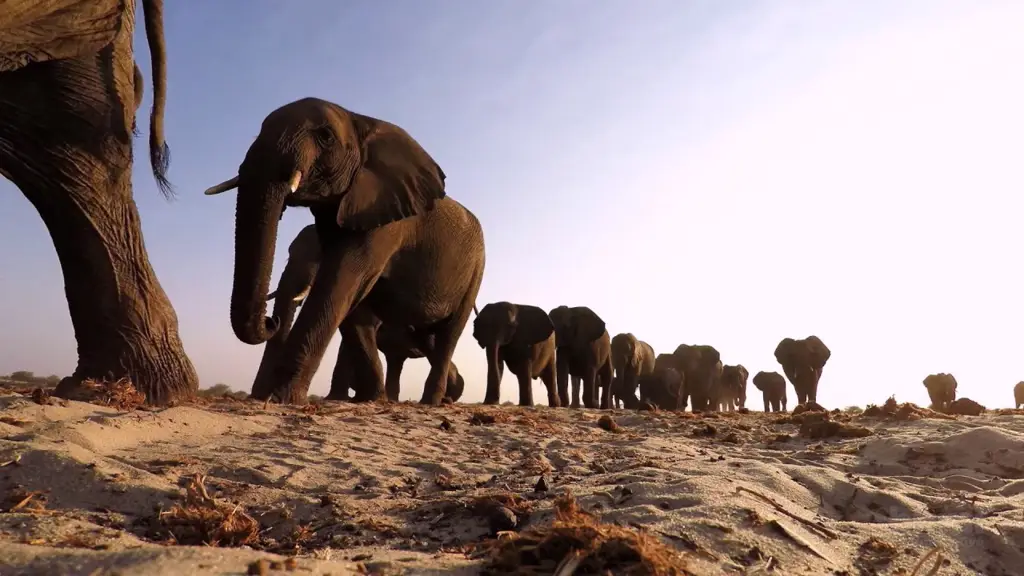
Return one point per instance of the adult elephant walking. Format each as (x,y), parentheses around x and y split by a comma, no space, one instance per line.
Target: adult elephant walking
(802,361)
(701,367)
(395,249)
(583,353)
(68,93)
(521,337)
(631,359)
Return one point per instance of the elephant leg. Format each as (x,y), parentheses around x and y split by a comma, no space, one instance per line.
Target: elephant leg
(393,377)
(525,386)
(347,273)
(577,393)
(495,371)
(66,143)
(589,383)
(446,337)
(604,381)
(767,402)
(630,383)
(549,376)
(360,331)
(342,378)
(562,379)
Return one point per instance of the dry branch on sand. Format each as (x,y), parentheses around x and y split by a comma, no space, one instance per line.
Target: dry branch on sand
(577,543)
(905,412)
(120,394)
(203,520)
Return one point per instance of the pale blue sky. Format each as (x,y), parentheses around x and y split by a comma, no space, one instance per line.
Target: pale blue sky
(728,173)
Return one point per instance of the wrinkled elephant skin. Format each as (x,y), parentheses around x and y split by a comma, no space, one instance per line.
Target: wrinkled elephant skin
(701,366)
(773,388)
(941,390)
(583,354)
(631,359)
(394,248)
(732,390)
(803,361)
(521,337)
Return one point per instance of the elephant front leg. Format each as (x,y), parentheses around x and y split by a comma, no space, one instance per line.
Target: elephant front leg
(767,402)
(393,376)
(590,399)
(342,378)
(525,386)
(562,374)
(549,377)
(348,271)
(495,367)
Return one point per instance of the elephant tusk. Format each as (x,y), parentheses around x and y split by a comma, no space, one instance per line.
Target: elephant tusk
(301,295)
(222,187)
(295,181)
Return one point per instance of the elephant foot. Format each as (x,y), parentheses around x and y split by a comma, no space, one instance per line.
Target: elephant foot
(158,386)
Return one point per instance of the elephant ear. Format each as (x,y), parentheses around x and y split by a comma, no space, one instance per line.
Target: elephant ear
(783,351)
(742,372)
(533,325)
(711,356)
(589,326)
(819,352)
(396,179)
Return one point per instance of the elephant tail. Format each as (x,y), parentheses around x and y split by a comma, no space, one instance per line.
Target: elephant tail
(159,153)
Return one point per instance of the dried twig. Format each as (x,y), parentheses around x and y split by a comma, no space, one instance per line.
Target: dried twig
(815,526)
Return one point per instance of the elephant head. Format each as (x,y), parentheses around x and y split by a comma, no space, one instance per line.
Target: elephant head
(803,361)
(503,323)
(941,390)
(625,351)
(355,174)
(576,327)
(773,387)
(702,370)
(1018,394)
(733,387)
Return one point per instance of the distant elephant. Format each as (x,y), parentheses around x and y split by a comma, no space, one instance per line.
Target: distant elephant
(701,367)
(69,93)
(395,249)
(1018,394)
(773,387)
(521,337)
(732,390)
(941,390)
(398,344)
(664,386)
(584,353)
(803,361)
(631,359)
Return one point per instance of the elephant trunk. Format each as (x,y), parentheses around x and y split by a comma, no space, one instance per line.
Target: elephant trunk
(493,395)
(256,217)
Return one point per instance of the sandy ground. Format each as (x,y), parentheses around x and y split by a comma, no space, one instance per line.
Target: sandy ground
(404,489)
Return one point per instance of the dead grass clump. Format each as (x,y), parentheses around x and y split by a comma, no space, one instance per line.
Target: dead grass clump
(808,407)
(966,407)
(120,394)
(822,426)
(577,543)
(481,418)
(203,520)
(485,503)
(24,501)
(607,423)
(905,412)
(874,554)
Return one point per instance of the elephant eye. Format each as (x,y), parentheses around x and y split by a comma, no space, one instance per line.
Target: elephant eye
(324,136)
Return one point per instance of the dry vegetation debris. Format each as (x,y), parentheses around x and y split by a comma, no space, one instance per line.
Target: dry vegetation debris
(201,520)
(578,543)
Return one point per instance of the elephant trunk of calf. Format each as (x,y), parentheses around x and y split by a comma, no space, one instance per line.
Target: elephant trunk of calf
(256,216)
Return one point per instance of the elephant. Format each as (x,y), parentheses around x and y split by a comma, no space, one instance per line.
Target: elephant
(521,337)
(803,361)
(773,387)
(68,97)
(395,248)
(398,344)
(701,366)
(732,390)
(941,390)
(583,353)
(631,359)
(1018,395)
(664,385)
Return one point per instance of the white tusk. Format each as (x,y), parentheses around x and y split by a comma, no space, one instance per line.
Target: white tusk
(222,187)
(301,295)
(295,181)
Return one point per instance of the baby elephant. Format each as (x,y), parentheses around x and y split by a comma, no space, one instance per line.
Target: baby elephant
(773,387)
(664,387)
(1018,394)
(732,388)
(941,390)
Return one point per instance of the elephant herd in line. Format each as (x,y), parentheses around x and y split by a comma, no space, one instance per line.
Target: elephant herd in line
(567,343)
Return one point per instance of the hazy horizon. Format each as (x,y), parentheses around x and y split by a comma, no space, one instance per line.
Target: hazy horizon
(696,172)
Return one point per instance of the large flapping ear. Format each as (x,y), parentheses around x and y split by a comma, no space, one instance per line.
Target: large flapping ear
(396,178)
(533,325)
(588,325)
(783,351)
(818,351)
